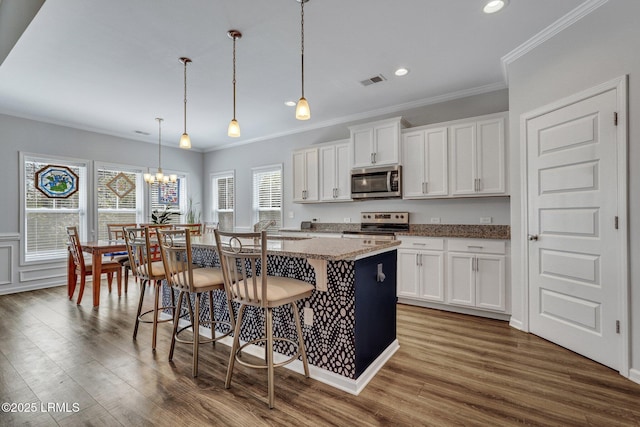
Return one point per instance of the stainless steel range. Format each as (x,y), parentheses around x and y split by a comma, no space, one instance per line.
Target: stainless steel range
(380,225)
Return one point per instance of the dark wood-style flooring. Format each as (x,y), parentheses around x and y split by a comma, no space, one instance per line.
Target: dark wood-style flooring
(450,370)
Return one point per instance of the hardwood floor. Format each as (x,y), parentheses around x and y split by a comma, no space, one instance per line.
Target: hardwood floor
(451,369)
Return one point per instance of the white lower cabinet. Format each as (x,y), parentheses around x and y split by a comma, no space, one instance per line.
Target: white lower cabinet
(466,273)
(421,271)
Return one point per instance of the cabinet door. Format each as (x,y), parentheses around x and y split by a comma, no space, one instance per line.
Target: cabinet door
(343,171)
(436,164)
(386,144)
(431,275)
(408,277)
(461,279)
(413,164)
(463,159)
(299,176)
(491,157)
(305,175)
(362,142)
(328,171)
(490,279)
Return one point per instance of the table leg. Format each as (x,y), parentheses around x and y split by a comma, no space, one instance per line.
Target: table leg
(97,267)
(71,275)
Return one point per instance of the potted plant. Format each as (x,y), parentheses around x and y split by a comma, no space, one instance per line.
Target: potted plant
(162,216)
(193,215)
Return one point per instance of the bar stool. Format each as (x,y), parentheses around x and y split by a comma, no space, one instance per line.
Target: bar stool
(147,267)
(116,232)
(181,275)
(244,260)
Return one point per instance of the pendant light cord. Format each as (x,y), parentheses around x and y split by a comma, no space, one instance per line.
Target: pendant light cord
(302,42)
(159,144)
(234,77)
(185,94)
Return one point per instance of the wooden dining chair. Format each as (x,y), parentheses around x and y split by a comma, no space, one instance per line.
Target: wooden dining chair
(181,275)
(244,265)
(116,232)
(83,267)
(147,267)
(209,227)
(195,229)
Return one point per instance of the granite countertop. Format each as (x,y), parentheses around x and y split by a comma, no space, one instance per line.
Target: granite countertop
(323,248)
(469,231)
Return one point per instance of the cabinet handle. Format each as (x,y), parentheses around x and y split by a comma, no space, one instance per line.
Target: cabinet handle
(419,244)
(334,193)
(374,157)
(371,158)
(304,194)
(477,265)
(417,259)
(426,187)
(474,246)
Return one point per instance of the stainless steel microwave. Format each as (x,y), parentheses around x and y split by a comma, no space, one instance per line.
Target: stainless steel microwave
(376,183)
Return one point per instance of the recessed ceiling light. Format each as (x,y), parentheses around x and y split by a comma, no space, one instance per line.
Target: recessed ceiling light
(290,103)
(494,6)
(401,72)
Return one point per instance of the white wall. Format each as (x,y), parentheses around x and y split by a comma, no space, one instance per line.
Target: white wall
(460,211)
(22,135)
(600,47)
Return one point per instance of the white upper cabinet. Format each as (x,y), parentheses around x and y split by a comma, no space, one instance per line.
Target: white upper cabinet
(376,144)
(335,170)
(425,164)
(305,175)
(477,158)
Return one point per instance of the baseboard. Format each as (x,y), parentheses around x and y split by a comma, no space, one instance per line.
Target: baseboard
(327,377)
(516,324)
(634,375)
(455,309)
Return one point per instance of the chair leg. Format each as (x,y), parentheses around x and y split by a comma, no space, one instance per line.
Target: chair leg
(72,285)
(135,328)
(212,318)
(234,347)
(119,279)
(303,352)
(126,279)
(109,280)
(196,336)
(269,356)
(156,299)
(176,319)
(83,280)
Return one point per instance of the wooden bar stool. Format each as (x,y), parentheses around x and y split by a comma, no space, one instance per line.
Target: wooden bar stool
(181,275)
(244,263)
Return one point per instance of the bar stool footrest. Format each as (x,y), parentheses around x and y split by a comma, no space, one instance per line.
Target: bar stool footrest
(275,365)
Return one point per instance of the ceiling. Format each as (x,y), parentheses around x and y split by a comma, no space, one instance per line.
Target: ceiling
(112,66)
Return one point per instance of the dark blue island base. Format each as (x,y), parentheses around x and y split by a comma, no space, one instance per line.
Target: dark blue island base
(354,321)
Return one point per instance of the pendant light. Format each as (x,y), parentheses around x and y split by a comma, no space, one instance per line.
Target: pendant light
(159,176)
(234,127)
(185,141)
(302,108)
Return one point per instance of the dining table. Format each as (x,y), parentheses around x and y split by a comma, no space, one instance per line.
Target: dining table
(97,249)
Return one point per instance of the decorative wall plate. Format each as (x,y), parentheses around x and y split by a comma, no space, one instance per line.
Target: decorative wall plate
(121,185)
(56,182)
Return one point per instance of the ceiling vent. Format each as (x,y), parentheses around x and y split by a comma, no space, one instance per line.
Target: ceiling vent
(375,79)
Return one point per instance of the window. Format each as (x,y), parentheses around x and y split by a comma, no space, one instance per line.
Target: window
(113,209)
(267,195)
(223,200)
(46,220)
(171,197)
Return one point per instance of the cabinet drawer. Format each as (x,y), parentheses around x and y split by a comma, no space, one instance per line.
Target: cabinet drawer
(477,246)
(428,243)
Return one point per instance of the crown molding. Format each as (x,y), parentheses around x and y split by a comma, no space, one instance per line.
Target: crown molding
(373,113)
(561,24)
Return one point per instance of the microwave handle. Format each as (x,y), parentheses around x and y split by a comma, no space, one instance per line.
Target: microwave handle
(389,174)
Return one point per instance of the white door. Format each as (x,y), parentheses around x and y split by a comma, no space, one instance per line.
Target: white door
(491,153)
(431,275)
(343,171)
(463,159)
(435,162)
(413,164)
(574,274)
(408,273)
(461,279)
(328,173)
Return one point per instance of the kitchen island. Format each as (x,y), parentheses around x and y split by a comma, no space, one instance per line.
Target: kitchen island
(349,321)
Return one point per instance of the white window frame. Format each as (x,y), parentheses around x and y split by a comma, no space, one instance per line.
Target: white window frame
(84,183)
(254,192)
(140,191)
(183,179)
(213,178)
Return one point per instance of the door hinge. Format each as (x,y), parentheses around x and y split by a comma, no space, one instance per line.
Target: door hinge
(617,326)
(615,222)
(615,119)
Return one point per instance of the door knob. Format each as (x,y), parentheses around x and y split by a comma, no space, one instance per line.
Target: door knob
(533,237)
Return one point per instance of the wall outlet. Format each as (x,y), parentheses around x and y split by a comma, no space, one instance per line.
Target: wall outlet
(315,220)
(485,220)
(308,316)
(291,214)
(347,220)
(435,220)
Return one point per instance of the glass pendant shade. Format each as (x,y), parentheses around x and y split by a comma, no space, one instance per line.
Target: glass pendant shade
(159,175)
(147,177)
(185,141)
(234,129)
(173,177)
(302,109)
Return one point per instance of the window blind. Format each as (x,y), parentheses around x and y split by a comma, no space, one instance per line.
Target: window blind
(267,194)
(113,209)
(223,201)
